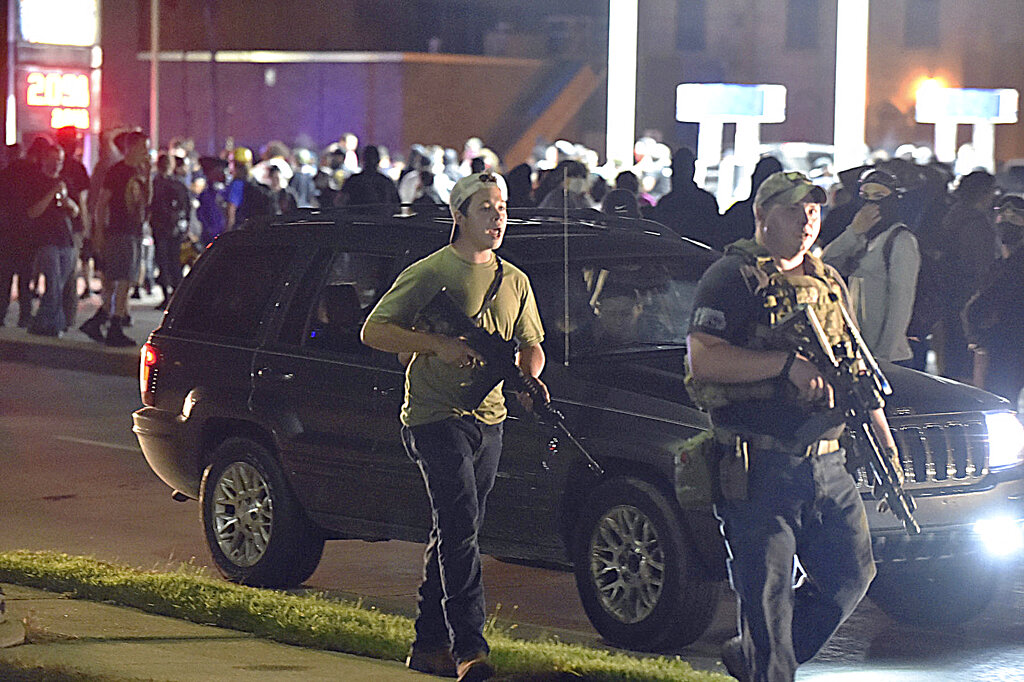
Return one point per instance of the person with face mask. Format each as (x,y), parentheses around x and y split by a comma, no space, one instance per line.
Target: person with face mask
(993,318)
(572,175)
(878,255)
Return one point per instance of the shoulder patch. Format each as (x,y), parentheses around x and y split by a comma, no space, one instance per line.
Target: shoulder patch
(709,318)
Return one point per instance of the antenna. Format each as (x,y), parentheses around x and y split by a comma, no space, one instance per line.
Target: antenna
(565,262)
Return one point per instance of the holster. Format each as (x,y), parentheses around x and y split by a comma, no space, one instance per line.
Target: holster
(733,469)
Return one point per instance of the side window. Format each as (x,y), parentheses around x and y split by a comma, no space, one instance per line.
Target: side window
(235,288)
(333,300)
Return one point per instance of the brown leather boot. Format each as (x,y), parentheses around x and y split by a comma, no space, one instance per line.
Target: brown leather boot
(475,669)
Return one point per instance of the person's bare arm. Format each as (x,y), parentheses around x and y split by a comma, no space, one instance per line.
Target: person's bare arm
(102,214)
(38,208)
(531,361)
(714,359)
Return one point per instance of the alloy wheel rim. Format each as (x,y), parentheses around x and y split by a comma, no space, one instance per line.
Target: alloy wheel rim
(627,564)
(243,513)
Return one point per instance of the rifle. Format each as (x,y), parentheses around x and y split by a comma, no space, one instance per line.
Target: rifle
(442,316)
(860,388)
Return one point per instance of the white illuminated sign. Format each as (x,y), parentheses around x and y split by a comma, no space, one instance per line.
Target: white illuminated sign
(699,102)
(966,105)
(59,22)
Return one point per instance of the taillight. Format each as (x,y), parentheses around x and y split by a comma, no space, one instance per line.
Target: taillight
(148,367)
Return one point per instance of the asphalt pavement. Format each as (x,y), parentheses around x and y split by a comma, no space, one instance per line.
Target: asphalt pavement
(48,631)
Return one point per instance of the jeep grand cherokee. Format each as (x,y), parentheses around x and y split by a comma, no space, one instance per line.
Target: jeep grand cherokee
(262,404)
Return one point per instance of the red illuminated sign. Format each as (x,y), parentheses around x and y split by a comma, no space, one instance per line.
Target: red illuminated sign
(67,94)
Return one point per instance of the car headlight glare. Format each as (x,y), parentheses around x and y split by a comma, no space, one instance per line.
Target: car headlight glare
(1000,536)
(1005,440)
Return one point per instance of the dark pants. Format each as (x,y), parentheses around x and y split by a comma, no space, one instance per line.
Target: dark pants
(458,458)
(70,293)
(16,261)
(804,507)
(168,262)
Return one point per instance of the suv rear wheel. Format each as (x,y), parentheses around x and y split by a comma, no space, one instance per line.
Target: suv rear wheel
(255,529)
(633,569)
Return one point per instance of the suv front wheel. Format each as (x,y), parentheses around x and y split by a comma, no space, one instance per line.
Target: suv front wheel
(633,569)
(937,593)
(255,529)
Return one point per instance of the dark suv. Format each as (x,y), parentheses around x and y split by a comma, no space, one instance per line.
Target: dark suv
(261,403)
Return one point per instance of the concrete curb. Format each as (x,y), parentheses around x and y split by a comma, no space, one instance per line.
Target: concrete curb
(12,632)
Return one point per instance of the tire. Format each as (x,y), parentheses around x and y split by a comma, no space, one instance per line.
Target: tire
(255,528)
(938,593)
(633,569)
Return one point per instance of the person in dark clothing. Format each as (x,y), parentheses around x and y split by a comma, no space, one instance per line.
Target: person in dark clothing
(994,316)
(520,187)
(169,211)
(788,495)
(247,197)
(16,249)
(212,212)
(843,205)
(117,234)
(76,177)
(738,220)
(621,203)
(369,187)
(688,209)
(50,210)
(969,248)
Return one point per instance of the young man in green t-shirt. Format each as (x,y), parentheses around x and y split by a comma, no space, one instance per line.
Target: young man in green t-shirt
(455,443)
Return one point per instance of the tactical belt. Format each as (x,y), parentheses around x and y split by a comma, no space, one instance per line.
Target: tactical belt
(763,442)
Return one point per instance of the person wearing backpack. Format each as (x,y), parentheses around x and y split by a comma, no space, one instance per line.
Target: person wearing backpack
(246,196)
(879,257)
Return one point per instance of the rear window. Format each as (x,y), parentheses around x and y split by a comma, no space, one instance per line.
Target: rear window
(234,289)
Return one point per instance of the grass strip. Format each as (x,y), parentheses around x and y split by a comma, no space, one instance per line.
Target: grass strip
(314,621)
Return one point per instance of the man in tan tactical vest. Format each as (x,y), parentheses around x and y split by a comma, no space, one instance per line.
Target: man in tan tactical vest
(785,490)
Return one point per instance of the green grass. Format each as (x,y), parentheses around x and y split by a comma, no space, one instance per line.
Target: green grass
(313,620)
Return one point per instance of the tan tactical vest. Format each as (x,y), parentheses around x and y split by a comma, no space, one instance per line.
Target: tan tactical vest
(779,293)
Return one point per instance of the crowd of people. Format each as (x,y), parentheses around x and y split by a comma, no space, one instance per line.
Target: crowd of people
(920,258)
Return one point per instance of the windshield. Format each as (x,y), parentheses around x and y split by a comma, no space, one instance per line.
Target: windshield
(617,304)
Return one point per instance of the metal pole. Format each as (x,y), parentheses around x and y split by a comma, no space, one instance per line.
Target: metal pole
(851,82)
(154,72)
(622,46)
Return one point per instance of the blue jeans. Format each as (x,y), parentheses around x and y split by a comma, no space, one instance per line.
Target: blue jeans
(458,458)
(56,264)
(806,507)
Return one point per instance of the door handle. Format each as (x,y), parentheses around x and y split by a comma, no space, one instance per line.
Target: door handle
(272,375)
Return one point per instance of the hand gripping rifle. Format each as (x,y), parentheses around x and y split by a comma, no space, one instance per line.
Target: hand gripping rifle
(441,315)
(860,388)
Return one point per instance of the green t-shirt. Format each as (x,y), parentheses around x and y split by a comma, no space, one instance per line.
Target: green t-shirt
(434,389)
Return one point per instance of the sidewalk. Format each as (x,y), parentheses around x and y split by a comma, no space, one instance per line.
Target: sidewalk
(110,642)
(104,641)
(75,350)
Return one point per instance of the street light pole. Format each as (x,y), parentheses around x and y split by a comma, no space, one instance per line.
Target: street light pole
(622,45)
(851,83)
(154,72)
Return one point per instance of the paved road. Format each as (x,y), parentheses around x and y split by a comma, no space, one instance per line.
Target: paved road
(72,479)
